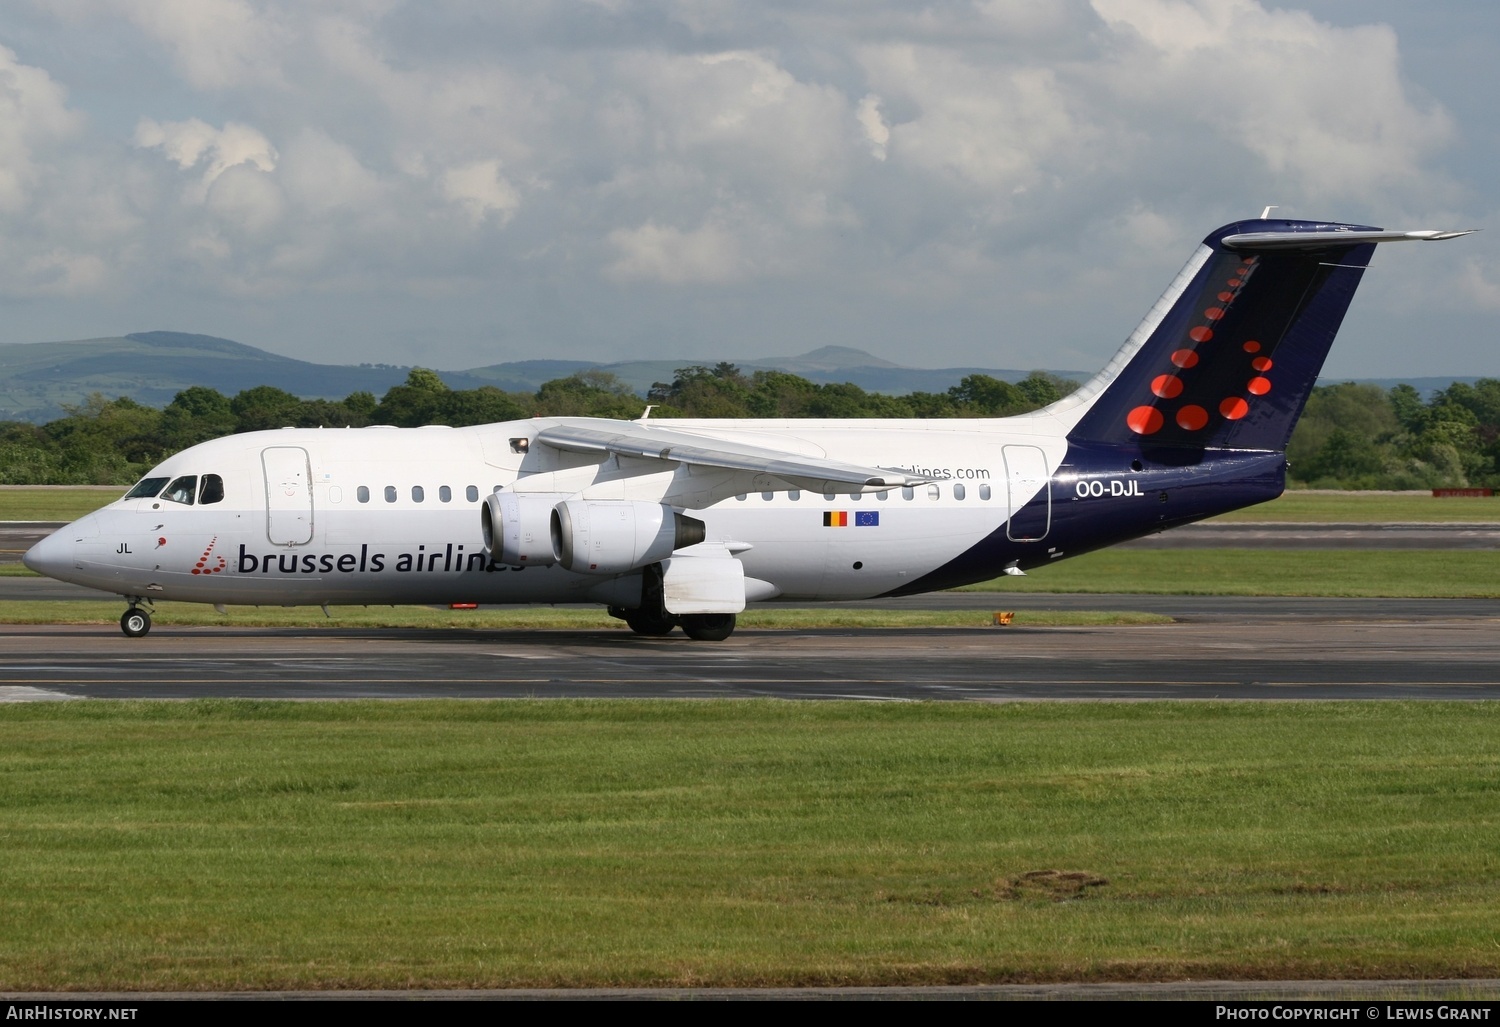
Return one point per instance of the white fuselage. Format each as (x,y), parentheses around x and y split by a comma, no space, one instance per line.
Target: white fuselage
(388,515)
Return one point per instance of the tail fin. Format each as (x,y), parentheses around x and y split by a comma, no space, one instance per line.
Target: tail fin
(1229,354)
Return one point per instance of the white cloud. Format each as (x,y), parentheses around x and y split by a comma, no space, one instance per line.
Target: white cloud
(215,44)
(34,117)
(246,198)
(1480,283)
(192,143)
(1323,108)
(876,130)
(482,191)
(996,129)
(821,168)
(661,253)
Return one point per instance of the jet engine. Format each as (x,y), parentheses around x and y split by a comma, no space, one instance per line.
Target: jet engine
(611,536)
(518,528)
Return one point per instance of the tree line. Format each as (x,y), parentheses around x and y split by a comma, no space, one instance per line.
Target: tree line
(115,441)
(1351,436)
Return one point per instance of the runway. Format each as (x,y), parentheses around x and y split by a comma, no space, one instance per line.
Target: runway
(1285,657)
(1228,647)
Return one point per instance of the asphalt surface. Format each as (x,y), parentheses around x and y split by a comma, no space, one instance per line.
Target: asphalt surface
(1221,647)
(1289,656)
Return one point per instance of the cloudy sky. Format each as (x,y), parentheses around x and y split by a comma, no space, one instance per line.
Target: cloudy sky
(463,182)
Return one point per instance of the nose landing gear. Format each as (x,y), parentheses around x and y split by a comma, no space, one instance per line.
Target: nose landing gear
(135,622)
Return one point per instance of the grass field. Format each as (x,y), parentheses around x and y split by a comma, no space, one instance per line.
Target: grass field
(1368,508)
(1283,572)
(53,504)
(539,617)
(398,845)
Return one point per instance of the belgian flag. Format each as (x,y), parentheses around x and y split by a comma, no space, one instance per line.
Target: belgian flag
(836,518)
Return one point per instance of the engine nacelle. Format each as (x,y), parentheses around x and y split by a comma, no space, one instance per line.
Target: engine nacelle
(517,528)
(612,537)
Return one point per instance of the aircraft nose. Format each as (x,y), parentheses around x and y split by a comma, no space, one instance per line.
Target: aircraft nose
(53,555)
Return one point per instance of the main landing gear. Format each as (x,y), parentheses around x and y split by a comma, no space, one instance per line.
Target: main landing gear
(708,627)
(135,622)
(652,620)
(701,627)
(648,623)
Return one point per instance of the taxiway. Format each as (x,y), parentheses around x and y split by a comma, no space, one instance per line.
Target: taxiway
(1286,657)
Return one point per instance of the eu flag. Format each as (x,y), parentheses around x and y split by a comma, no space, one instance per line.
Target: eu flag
(867,518)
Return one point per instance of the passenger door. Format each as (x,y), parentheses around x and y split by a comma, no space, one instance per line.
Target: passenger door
(289,502)
(1028,489)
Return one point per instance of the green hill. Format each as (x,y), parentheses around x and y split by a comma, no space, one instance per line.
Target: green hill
(37,380)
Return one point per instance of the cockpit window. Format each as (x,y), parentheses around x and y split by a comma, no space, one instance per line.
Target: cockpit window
(212,490)
(146,488)
(181,490)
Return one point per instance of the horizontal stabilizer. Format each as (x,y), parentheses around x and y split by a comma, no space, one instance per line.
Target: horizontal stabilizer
(1315,240)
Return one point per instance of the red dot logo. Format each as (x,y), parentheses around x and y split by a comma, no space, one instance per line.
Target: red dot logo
(1144,420)
(1225,297)
(1192,417)
(1236,282)
(1214,313)
(1259,386)
(1261,363)
(1201,334)
(1167,386)
(1185,358)
(1252,346)
(1234,408)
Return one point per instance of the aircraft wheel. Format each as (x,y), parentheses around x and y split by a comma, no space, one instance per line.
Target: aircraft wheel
(708,627)
(135,622)
(652,625)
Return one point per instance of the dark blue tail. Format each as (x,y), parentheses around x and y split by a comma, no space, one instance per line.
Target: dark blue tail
(1230,361)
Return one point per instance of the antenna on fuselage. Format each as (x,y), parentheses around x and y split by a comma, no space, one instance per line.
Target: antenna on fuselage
(1267,212)
(642,418)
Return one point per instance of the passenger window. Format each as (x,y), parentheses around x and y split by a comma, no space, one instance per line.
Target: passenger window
(907,492)
(933,492)
(390,493)
(883,495)
(742,496)
(794,495)
(958,492)
(829,496)
(363,493)
(768,496)
(212,491)
(472,493)
(417,495)
(146,488)
(984,492)
(181,490)
(445,494)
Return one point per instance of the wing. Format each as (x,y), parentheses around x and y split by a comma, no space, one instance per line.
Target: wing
(631,439)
